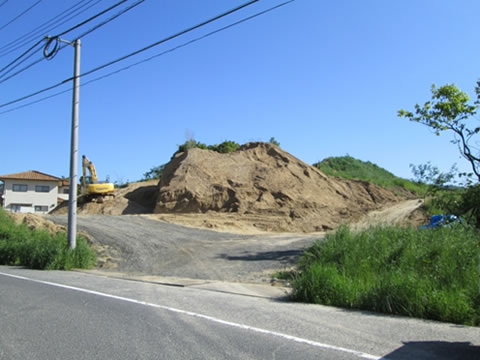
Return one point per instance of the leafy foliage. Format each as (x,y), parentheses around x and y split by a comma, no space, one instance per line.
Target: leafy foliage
(350,168)
(274,141)
(38,249)
(225,147)
(154,173)
(449,110)
(431,273)
(431,175)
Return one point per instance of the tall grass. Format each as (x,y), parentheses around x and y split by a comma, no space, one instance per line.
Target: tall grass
(431,273)
(38,249)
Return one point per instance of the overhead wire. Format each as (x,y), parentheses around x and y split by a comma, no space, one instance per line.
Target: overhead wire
(128,8)
(3,3)
(4,78)
(132,65)
(91,18)
(171,37)
(20,15)
(48,26)
(21,56)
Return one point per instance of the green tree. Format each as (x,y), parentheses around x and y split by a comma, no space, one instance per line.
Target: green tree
(274,141)
(154,173)
(450,110)
(433,177)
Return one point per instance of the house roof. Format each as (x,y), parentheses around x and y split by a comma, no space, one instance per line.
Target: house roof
(30,175)
(64,182)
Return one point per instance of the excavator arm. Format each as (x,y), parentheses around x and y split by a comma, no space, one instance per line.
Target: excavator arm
(87,164)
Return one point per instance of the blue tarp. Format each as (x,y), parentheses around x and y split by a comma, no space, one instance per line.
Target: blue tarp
(439,220)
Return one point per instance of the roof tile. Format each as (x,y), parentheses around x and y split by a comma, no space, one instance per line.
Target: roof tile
(30,175)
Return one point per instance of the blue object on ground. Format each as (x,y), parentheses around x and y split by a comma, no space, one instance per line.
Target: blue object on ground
(440,220)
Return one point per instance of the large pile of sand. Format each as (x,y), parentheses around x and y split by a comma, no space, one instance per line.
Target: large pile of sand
(260,187)
(260,179)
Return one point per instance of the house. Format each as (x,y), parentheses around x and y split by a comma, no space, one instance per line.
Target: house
(30,192)
(63,189)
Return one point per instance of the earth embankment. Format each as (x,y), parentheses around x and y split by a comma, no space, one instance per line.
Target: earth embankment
(258,188)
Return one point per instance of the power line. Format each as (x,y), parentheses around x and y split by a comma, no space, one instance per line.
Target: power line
(91,18)
(128,8)
(36,93)
(20,15)
(3,3)
(171,37)
(185,43)
(132,65)
(47,26)
(69,30)
(3,78)
(22,55)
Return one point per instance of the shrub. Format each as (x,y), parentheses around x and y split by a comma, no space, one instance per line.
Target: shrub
(430,273)
(38,249)
(225,147)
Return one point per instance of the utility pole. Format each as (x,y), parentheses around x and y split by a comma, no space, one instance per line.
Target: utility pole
(72,196)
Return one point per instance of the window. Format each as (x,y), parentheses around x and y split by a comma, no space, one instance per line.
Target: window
(20,187)
(20,207)
(66,191)
(42,188)
(41,208)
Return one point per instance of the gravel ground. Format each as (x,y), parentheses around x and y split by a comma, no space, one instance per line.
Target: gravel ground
(141,246)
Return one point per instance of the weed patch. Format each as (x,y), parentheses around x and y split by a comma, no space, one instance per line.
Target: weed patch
(38,249)
(429,273)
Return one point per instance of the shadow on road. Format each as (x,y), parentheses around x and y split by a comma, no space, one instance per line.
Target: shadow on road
(284,256)
(437,350)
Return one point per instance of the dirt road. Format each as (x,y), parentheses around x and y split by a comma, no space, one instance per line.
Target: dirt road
(138,245)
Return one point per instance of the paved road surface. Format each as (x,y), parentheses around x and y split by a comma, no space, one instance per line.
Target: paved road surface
(152,247)
(70,315)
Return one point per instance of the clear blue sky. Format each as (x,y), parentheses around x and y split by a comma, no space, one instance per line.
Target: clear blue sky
(325,78)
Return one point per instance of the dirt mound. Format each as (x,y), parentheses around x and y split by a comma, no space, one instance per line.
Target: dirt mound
(135,198)
(36,222)
(262,179)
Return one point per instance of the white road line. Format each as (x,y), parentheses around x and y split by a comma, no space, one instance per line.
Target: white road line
(205,317)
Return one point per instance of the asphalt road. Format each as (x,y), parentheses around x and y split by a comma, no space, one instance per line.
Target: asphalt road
(71,315)
(144,246)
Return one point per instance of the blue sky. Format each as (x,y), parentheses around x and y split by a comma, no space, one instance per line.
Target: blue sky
(325,78)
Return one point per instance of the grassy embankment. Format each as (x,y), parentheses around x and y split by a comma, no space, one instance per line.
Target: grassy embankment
(429,273)
(350,168)
(38,249)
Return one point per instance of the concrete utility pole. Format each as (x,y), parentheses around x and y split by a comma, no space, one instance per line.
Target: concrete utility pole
(72,197)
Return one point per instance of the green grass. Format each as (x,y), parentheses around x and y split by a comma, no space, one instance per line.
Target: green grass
(350,168)
(431,274)
(38,249)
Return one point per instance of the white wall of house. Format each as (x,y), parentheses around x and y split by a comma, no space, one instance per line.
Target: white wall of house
(30,196)
(63,192)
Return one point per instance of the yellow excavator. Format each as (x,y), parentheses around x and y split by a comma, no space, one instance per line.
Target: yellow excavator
(92,189)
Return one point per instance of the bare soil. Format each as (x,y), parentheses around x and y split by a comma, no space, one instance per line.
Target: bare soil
(259,188)
(264,205)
